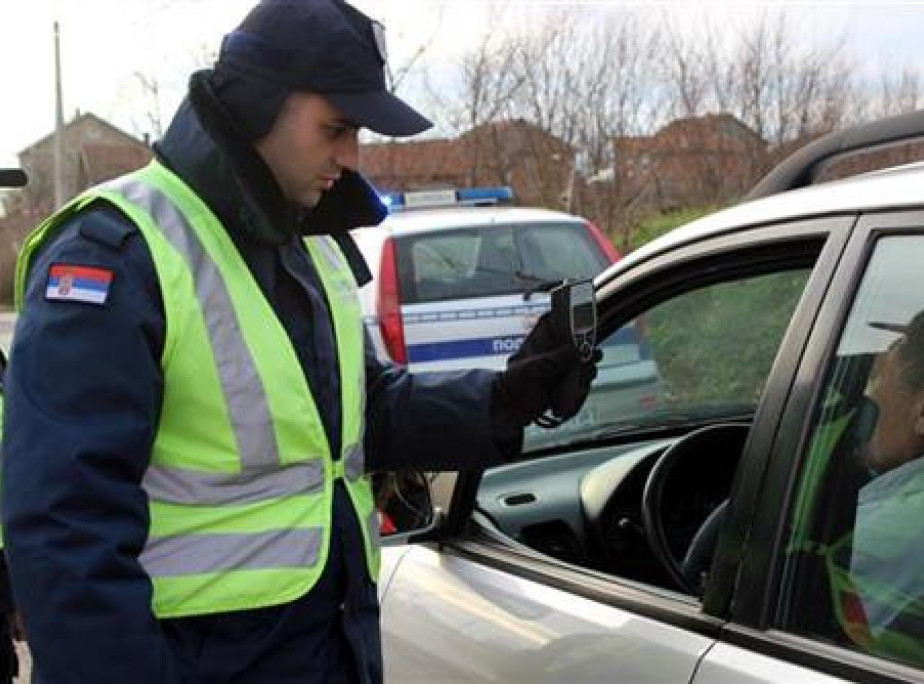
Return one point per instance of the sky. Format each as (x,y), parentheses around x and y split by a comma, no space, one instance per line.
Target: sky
(105,44)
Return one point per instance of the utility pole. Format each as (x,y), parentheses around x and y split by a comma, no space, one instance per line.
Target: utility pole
(60,191)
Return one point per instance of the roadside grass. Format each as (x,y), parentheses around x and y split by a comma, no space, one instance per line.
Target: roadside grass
(717,344)
(706,343)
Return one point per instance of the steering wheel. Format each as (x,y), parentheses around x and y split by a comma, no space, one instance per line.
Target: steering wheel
(705,458)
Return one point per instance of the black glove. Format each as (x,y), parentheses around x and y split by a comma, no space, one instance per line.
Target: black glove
(545,374)
(571,393)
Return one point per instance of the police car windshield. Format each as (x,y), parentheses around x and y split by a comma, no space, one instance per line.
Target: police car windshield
(493,260)
(536,284)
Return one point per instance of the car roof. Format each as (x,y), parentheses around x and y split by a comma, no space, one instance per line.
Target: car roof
(898,187)
(423,220)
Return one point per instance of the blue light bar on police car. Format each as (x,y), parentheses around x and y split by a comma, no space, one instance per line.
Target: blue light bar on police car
(497,195)
(427,199)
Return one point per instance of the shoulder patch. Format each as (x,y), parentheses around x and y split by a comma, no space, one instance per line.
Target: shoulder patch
(74,283)
(106,226)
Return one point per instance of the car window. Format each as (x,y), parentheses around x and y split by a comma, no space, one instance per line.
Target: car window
(555,252)
(440,263)
(494,260)
(854,572)
(697,358)
(702,355)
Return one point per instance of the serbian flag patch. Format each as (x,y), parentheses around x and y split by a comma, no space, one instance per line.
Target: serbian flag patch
(70,283)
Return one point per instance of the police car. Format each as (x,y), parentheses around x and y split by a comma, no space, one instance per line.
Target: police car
(460,278)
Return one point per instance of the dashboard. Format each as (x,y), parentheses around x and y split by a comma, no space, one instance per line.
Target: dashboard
(555,504)
(585,507)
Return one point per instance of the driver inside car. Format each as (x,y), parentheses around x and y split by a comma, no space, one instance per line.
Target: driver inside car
(885,561)
(881,434)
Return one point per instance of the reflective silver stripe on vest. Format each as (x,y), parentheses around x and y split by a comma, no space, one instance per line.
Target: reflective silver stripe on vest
(372,522)
(237,373)
(354,463)
(261,477)
(196,554)
(182,486)
(330,253)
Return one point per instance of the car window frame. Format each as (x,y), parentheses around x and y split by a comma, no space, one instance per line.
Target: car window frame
(750,250)
(753,615)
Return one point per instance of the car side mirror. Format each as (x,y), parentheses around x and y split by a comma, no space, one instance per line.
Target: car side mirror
(405,507)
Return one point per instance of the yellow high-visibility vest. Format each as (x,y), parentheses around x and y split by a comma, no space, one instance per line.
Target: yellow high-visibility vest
(241,478)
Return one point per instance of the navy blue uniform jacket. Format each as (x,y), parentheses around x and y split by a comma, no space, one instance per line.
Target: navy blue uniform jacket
(83,395)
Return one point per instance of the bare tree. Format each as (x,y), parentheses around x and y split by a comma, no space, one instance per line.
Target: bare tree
(752,86)
(488,82)
(603,81)
(685,64)
(786,93)
(722,69)
(148,87)
(484,86)
(396,74)
(621,103)
(894,90)
(146,92)
(587,79)
(899,90)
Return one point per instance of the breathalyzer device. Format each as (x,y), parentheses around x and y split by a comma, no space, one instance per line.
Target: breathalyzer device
(574,308)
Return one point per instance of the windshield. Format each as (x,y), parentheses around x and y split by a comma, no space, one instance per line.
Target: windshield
(700,357)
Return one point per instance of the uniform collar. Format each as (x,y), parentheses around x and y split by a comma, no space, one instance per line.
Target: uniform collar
(207,150)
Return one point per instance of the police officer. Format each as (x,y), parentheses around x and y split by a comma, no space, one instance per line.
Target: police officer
(191,400)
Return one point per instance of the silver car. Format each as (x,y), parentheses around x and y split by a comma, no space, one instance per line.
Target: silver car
(739,530)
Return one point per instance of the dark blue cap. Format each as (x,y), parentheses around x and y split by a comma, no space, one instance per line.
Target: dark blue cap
(326,47)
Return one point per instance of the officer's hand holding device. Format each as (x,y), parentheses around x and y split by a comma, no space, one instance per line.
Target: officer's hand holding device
(549,376)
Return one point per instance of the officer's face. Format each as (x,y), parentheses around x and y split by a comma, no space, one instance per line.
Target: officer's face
(899,432)
(308,146)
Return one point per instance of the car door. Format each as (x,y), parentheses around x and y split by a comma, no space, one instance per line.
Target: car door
(835,586)
(544,574)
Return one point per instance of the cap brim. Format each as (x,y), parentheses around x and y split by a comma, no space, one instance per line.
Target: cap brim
(381,112)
